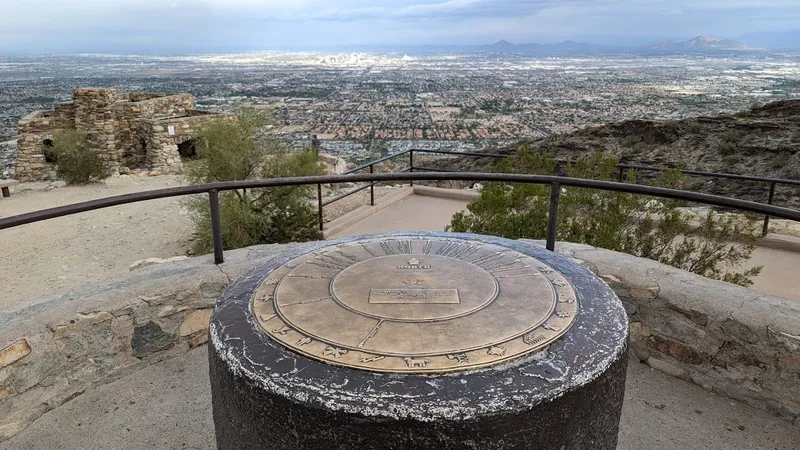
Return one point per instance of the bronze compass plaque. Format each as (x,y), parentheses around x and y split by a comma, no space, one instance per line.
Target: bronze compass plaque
(415,305)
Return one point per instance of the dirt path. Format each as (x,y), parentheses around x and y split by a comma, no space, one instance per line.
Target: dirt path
(54,256)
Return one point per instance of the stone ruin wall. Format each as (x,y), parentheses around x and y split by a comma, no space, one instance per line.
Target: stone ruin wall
(31,132)
(128,129)
(94,114)
(162,148)
(132,116)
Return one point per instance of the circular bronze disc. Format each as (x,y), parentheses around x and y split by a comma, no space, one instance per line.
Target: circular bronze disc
(415,305)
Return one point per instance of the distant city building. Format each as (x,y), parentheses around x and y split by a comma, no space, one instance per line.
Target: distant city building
(134,130)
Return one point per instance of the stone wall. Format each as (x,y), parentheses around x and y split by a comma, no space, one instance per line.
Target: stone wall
(726,338)
(162,147)
(54,350)
(117,125)
(65,114)
(94,115)
(131,115)
(32,130)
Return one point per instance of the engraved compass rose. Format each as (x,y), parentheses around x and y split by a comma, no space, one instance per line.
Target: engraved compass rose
(415,304)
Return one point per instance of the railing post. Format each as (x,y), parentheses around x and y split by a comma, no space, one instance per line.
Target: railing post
(621,173)
(371,187)
(769,202)
(319,206)
(552,217)
(411,165)
(216,226)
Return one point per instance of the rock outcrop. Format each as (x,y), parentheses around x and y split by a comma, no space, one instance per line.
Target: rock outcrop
(764,141)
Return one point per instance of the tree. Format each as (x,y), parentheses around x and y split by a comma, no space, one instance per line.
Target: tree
(629,223)
(234,149)
(75,159)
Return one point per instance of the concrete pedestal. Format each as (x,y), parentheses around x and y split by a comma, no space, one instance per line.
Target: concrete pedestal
(278,390)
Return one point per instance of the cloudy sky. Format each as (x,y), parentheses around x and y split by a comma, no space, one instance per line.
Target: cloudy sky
(225,25)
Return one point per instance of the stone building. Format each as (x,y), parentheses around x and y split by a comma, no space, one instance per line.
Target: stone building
(133,130)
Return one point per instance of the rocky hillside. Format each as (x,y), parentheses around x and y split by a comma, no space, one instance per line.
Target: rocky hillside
(764,141)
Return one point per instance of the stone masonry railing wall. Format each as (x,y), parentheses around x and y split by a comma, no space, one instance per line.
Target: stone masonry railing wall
(726,338)
(54,350)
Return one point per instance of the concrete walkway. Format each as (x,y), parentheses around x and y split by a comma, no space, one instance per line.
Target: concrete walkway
(168,406)
(415,213)
(418,212)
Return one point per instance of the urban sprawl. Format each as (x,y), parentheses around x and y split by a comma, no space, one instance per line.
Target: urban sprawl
(366,105)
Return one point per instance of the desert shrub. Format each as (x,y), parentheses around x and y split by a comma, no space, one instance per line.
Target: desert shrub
(629,223)
(75,159)
(694,127)
(232,150)
(780,160)
(731,141)
(671,126)
(631,140)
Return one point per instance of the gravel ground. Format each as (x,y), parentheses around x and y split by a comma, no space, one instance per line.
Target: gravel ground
(777,226)
(54,256)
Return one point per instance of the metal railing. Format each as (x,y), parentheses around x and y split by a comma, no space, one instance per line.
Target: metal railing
(555,183)
(621,171)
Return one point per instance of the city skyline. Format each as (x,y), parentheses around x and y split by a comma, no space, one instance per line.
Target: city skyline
(150,26)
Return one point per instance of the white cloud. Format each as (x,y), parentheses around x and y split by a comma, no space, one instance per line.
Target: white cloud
(274,23)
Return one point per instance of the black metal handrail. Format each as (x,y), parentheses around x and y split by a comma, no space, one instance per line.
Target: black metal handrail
(555,183)
(621,175)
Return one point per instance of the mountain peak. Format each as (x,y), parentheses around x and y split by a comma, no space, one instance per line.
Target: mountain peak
(702,43)
(503,43)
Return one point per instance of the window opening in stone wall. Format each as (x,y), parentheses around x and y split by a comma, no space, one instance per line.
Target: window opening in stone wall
(188,149)
(47,150)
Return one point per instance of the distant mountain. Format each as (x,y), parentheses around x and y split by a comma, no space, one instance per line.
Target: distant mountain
(503,45)
(700,44)
(561,48)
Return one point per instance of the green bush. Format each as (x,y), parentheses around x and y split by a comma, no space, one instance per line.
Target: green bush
(76,161)
(231,150)
(629,223)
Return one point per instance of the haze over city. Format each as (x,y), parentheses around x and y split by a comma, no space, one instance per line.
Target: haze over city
(192,26)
